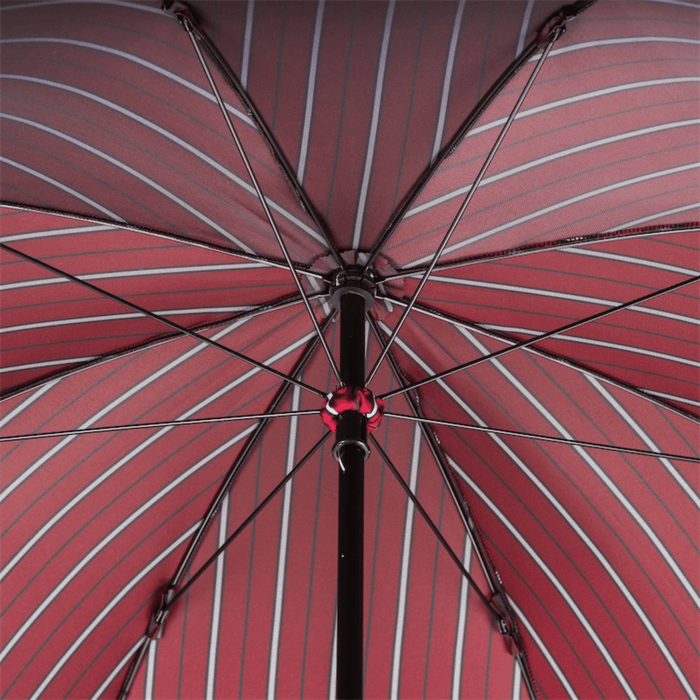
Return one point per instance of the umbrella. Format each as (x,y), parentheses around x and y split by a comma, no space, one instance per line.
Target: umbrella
(220,220)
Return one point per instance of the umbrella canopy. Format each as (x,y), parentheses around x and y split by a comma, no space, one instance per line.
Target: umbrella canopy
(568,287)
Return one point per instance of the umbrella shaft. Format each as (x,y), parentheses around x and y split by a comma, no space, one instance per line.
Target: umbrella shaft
(352,429)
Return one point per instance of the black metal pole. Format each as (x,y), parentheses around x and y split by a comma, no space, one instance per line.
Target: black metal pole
(351,451)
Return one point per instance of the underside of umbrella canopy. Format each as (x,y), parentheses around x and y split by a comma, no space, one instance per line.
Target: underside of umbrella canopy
(167,338)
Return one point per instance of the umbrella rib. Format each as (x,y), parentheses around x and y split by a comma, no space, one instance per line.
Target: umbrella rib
(245,452)
(161,613)
(223,489)
(487,566)
(93,362)
(444,469)
(221,63)
(485,101)
(161,319)
(549,334)
(195,242)
(548,246)
(545,53)
(158,424)
(261,196)
(434,313)
(544,438)
(434,527)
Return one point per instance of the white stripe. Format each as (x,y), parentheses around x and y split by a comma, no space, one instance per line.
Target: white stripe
(562,295)
(51,363)
(560,205)
(334,659)
(553,579)
(680,399)
(544,412)
(657,216)
(120,317)
(373,127)
(26,403)
(138,60)
(523,114)
(243,184)
(151,670)
(245,63)
(531,164)
(284,543)
(61,186)
(218,591)
(69,322)
(524,27)
(108,608)
(629,259)
(405,567)
(121,274)
(134,173)
(644,437)
(306,133)
(118,530)
(55,232)
(517,681)
(448,79)
(622,40)
(461,622)
(116,670)
(560,509)
(602,344)
(116,3)
(545,652)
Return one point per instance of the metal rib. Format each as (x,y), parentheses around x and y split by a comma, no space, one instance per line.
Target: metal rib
(544,336)
(545,247)
(432,525)
(434,313)
(167,322)
(259,192)
(250,518)
(466,202)
(544,438)
(123,352)
(220,62)
(195,242)
(160,424)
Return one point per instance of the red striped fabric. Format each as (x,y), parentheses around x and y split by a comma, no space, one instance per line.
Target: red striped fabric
(118,169)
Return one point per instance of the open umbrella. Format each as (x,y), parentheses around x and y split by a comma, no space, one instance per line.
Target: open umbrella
(236,233)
